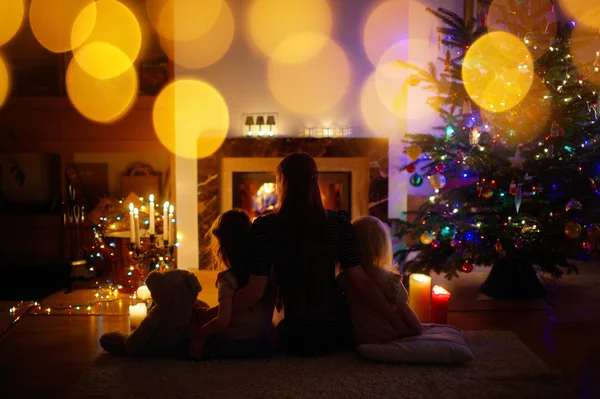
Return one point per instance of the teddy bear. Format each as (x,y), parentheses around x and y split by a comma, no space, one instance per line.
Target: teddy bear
(163,332)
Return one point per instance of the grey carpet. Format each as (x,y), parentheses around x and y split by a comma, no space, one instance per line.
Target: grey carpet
(504,368)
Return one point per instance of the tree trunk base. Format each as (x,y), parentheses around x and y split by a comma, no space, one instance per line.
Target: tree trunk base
(508,280)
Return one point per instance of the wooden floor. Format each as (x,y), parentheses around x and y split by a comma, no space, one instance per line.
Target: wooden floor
(43,354)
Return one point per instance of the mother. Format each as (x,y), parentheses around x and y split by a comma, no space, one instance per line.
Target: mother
(302,242)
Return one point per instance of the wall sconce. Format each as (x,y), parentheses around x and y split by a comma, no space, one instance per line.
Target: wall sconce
(271,123)
(249,123)
(260,121)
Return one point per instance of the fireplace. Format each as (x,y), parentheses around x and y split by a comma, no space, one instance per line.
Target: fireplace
(256,194)
(249,184)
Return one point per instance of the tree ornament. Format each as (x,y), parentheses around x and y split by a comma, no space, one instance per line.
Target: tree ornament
(573,205)
(467,266)
(498,246)
(533,112)
(474,136)
(450,132)
(416,180)
(586,245)
(435,243)
(426,238)
(410,168)
(438,181)
(413,80)
(440,168)
(517,161)
(518,197)
(518,243)
(467,109)
(556,130)
(513,190)
(572,229)
(414,151)
(594,232)
(551,151)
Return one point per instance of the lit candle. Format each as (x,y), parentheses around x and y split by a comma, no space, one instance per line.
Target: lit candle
(136,214)
(439,305)
(136,315)
(151,212)
(171,227)
(420,295)
(143,293)
(166,221)
(131,224)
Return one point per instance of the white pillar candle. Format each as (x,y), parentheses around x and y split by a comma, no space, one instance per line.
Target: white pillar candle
(151,213)
(131,224)
(419,297)
(136,214)
(166,221)
(143,293)
(136,315)
(171,226)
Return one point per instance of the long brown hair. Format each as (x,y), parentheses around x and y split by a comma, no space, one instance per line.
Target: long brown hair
(228,243)
(301,263)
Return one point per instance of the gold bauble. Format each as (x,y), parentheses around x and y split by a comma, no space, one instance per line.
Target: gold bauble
(572,229)
(414,151)
(426,238)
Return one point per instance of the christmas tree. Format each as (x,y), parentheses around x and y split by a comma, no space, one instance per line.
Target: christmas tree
(515,168)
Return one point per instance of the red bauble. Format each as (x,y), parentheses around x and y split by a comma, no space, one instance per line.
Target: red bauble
(466,266)
(411,168)
(440,168)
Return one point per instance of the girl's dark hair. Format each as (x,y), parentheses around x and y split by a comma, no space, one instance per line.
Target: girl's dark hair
(301,260)
(228,243)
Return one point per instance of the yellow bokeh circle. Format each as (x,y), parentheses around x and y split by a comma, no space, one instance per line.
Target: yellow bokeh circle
(584,44)
(585,12)
(116,25)
(101,100)
(95,56)
(52,21)
(11,18)
(272,22)
(4,81)
(190,118)
(380,121)
(184,20)
(312,86)
(497,71)
(208,48)
(384,28)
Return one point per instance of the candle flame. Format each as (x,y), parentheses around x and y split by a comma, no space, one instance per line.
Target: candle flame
(136,212)
(151,197)
(131,207)
(421,278)
(437,290)
(171,209)
(166,205)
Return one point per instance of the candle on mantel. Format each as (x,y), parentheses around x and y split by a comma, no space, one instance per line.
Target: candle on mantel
(171,227)
(419,296)
(166,221)
(136,215)
(151,213)
(439,305)
(131,224)
(136,315)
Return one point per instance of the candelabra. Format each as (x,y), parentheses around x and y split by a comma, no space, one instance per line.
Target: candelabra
(152,254)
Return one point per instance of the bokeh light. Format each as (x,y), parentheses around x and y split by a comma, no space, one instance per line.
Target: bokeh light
(52,21)
(11,18)
(4,81)
(585,48)
(585,12)
(194,18)
(497,71)
(208,48)
(312,86)
(115,25)
(392,80)
(190,118)
(93,57)
(380,121)
(535,24)
(526,121)
(307,22)
(101,100)
(385,27)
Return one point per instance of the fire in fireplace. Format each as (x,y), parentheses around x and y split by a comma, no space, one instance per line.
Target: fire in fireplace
(255,192)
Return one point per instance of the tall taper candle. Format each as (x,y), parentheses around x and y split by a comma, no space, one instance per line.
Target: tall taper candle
(171,226)
(419,295)
(151,213)
(131,224)
(166,221)
(136,214)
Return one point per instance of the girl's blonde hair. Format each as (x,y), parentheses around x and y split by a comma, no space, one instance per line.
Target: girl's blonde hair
(373,241)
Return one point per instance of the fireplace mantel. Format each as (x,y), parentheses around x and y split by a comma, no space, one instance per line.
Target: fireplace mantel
(357,166)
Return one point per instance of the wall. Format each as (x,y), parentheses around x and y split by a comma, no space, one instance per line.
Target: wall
(118,163)
(41,183)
